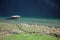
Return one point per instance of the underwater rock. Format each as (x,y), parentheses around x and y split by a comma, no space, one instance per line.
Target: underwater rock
(15,17)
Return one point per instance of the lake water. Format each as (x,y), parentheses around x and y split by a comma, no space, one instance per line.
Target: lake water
(29,20)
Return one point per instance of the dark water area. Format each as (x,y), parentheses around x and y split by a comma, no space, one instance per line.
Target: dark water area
(30,8)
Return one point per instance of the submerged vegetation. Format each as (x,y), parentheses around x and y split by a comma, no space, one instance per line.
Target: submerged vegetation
(10,31)
(29,37)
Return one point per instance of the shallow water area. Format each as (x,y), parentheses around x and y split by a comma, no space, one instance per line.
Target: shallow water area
(38,21)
